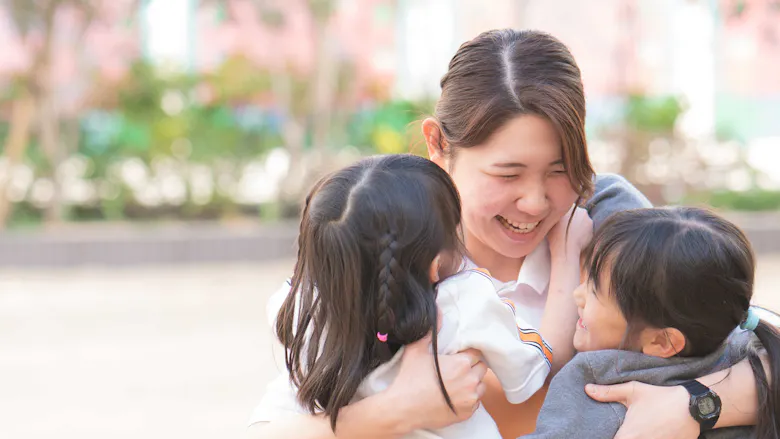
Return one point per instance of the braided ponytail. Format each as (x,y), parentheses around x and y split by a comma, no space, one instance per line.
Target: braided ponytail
(389,275)
(394,284)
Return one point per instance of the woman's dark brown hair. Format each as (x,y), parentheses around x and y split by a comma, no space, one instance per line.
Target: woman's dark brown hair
(502,74)
(689,269)
(368,237)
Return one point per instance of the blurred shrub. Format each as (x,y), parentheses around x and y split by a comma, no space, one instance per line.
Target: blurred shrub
(174,146)
(753,200)
(652,114)
(389,127)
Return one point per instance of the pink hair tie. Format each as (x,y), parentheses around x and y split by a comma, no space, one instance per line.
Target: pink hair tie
(381,337)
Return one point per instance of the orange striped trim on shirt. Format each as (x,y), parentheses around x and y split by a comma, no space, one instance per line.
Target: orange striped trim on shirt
(482,270)
(531,336)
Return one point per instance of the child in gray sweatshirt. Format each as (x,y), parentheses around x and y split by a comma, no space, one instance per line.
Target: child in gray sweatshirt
(666,299)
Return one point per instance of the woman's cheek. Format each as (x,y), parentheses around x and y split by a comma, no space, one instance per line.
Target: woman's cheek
(484,195)
(561,194)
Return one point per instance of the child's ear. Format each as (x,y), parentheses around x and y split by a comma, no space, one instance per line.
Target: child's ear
(435,142)
(664,343)
(433,272)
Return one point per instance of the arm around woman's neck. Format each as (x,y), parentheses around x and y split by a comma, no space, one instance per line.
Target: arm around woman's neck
(566,240)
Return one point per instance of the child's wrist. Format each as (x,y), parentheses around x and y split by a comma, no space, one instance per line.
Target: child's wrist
(566,256)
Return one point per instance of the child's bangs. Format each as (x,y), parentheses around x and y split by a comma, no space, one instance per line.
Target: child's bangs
(604,250)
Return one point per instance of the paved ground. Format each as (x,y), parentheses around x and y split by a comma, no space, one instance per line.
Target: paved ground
(135,353)
(149,353)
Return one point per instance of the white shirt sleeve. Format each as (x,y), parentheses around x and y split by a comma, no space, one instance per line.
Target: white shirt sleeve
(515,351)
(275,303)
(279,399)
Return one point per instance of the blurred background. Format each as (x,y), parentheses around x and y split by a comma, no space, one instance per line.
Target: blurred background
(155,152)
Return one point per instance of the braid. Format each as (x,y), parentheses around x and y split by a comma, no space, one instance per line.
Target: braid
(388,285)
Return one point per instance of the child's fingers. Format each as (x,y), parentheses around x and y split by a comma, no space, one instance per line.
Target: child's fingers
(474,355)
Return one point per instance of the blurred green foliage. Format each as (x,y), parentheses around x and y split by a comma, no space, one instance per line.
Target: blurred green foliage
(653,114)
(220,121)
(754,200)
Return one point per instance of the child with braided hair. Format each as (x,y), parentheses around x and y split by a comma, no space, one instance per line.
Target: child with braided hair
(381,265)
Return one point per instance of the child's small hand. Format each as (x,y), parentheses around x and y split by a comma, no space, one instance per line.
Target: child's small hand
(416,392)
(570,244)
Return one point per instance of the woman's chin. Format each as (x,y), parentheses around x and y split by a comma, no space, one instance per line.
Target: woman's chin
(519,249)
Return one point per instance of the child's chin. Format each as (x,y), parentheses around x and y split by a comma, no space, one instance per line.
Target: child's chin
(581,346)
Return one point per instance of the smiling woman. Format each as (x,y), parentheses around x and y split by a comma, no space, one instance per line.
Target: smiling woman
(515,187)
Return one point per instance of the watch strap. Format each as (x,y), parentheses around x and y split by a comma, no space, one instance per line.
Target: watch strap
(697,389)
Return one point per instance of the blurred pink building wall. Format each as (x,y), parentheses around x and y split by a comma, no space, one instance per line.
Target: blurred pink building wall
(108,44)
(620,45)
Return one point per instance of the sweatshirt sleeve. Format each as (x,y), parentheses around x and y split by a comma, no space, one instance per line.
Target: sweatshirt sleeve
(569,412)
(517,355)
(613,193)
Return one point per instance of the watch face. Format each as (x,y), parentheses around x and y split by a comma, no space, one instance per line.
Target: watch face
(706,406)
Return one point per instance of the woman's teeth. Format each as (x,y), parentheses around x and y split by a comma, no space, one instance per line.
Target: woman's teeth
(518,227)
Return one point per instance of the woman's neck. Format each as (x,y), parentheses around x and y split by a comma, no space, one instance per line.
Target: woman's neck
(500,267)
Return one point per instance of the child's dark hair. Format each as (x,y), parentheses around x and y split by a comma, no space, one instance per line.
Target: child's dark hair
(368,236)
(689,269)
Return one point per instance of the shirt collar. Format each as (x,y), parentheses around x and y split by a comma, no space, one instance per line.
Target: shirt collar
(535,271)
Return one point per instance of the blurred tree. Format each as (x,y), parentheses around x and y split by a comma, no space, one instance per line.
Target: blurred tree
(308,100)
(30,86)
(647,119)
(34,98)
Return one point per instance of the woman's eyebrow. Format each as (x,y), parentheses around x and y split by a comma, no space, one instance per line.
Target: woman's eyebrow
(523,165)
(510,165)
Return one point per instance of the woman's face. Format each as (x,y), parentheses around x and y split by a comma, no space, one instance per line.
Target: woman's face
(514,188)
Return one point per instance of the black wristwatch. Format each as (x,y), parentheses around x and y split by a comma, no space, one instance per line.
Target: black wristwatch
(704,405)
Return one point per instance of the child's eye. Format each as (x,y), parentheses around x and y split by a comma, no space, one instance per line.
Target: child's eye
(507,177)
(560,172)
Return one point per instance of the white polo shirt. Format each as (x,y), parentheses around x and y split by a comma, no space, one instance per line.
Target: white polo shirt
(529,292)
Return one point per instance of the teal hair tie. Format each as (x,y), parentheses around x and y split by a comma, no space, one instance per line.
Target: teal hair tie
(751,321)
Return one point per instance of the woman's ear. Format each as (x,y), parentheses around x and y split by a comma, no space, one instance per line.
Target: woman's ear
(664,343)
(434,142)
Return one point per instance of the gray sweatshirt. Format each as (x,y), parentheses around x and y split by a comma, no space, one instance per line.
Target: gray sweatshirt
(569,413)
(613,193)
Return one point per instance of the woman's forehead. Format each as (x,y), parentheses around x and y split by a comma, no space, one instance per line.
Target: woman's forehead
(528,140)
